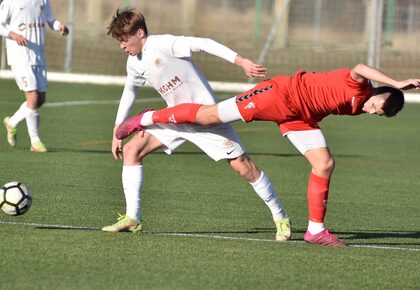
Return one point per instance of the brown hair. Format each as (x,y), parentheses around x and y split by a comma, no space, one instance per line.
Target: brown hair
(126,22)
(395,101)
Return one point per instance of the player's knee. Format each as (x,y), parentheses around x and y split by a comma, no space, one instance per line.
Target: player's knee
(245,167)
(41,101)
(207,115)
(130,152)
(325,167)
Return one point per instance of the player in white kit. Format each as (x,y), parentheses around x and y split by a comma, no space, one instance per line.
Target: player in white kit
(164,62)
(23,24)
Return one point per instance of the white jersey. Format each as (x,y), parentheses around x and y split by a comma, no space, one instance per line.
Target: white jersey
(28,18)
(165,64)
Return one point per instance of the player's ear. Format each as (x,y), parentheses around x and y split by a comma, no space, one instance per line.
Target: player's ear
(141,33)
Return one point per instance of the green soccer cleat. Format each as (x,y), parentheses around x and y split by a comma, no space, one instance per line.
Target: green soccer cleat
(11,132)
(284,230)
(38,147)
(124,224)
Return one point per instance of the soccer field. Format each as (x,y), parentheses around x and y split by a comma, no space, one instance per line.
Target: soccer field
(204,227)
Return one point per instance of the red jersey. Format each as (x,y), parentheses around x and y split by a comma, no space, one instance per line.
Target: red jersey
(301,101)
(317,95)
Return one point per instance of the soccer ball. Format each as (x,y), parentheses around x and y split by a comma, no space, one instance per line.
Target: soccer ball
(15,198)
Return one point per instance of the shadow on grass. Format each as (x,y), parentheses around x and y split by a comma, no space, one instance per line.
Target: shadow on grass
(374,235)
(344,235)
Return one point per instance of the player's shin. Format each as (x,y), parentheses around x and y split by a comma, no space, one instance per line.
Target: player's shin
(182,113)
(32,122)
(132,179)
(19,115)
(318,188)
(265,190)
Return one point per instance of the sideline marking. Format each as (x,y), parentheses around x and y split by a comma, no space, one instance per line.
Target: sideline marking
(198,236)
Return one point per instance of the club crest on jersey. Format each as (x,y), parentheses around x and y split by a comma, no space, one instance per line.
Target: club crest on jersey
(250,105)
(158,62)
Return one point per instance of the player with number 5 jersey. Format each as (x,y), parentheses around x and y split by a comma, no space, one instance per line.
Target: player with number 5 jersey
(22,23)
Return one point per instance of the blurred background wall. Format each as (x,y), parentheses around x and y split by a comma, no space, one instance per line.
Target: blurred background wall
(284,35)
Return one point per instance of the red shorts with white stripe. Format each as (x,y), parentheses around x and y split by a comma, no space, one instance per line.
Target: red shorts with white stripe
(268,101)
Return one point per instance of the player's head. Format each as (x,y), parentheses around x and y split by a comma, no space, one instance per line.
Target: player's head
(384,101)
(125,23)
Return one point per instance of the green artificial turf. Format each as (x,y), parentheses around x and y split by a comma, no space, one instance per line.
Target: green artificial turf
(204,227)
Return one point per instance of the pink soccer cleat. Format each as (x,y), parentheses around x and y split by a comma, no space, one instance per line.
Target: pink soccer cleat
(131,125)
(324,238)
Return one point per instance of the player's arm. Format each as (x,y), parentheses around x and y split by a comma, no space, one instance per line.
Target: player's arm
(362,72)
(186,45)
(54,23)
(127,100)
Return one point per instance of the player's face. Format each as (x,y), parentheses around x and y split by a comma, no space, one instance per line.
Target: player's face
(374,105)
(133,44)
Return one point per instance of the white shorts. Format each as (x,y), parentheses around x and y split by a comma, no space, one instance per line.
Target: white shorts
(307,139)
(218,142)
(30,77)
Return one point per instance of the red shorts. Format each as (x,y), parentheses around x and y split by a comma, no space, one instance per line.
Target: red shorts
(268,101)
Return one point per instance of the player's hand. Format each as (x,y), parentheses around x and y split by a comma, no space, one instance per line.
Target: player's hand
(20,39)
(250,68)
(408,84)
(116,146)
(63,30)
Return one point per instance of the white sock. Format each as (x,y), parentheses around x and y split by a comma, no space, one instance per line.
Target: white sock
(32,122)
(18,116)
(315,228)
(147,119)
(265,190)
(132,180)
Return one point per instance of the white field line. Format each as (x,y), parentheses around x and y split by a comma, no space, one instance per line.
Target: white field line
(98,102)
(65,227)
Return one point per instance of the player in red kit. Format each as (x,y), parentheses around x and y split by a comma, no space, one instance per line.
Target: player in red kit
(297,104)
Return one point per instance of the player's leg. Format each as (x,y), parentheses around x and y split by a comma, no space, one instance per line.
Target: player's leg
(312,144)
(258,103)
(223,112)
(132,180)
(34,100)
(32,80)
(13,121)
(265,190)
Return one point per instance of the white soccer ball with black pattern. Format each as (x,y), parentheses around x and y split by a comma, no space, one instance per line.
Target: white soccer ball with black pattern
(15,198)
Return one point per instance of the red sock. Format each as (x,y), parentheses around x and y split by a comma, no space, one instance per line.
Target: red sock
(183,113)
(318,197)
